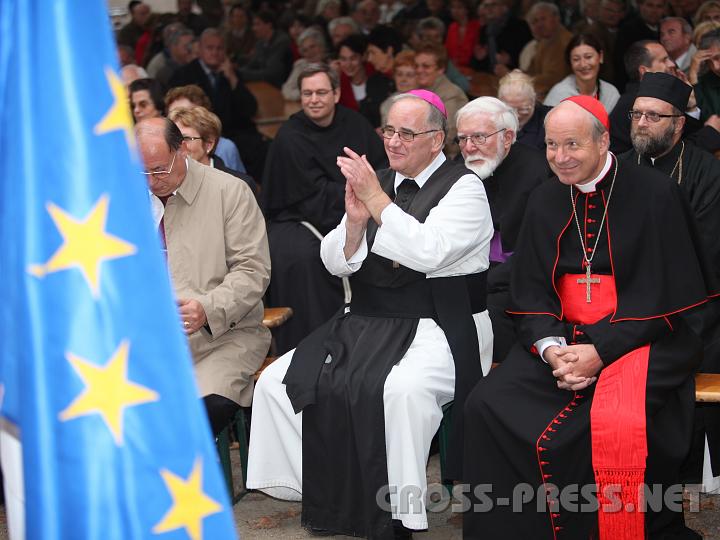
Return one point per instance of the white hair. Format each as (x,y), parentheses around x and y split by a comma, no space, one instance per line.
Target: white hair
(502,115)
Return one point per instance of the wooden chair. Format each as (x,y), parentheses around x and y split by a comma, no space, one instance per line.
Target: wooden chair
(272,318)
(271,112)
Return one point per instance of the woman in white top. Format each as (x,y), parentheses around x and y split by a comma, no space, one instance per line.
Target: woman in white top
(584,55)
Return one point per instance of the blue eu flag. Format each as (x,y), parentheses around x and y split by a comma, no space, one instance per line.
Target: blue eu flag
(94,367)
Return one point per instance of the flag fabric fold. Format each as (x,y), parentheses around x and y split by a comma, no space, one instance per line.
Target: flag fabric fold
(94,368)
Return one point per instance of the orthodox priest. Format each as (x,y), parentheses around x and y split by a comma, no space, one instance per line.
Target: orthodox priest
(656,133)
(372,381)
(600,389)
(303,193)
(487,130)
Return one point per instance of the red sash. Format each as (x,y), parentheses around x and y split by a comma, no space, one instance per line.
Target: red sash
(617,417)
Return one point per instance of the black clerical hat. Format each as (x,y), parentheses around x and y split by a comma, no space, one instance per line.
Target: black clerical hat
(666,87)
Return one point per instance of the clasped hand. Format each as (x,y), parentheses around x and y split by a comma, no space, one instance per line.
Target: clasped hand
(575,367)
(363,193)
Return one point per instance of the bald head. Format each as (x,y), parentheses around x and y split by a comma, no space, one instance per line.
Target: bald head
(577,143)
(163,153)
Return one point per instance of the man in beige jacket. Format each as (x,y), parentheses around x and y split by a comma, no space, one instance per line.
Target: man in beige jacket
(218,259)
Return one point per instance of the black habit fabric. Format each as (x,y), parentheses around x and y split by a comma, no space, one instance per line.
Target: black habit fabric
(532,133)
(649,247)
(705,137)
(338,374)
(700,183)
(508,189)
(302,182)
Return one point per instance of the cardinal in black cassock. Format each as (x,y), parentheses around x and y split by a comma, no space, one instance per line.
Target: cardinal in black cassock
(605,261)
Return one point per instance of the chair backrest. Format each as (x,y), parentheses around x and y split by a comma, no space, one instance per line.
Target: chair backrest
(271,103)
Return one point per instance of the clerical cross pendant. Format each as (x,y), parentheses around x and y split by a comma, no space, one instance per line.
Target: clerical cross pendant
(587,281)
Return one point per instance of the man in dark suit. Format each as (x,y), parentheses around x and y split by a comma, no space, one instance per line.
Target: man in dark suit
(213,72)
(230,98)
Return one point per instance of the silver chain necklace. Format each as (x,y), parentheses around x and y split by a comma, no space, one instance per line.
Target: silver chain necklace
(678,164)
(587,280)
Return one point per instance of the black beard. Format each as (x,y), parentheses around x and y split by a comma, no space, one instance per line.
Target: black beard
(653,145)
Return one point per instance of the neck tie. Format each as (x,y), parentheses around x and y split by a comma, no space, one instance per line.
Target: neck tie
(161,226)
(406,193)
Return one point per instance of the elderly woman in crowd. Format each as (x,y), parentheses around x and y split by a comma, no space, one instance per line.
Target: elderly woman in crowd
(404,78)
(517,91)
(146,99)
(201,130)
(584,55)
(192,95)
(313,49)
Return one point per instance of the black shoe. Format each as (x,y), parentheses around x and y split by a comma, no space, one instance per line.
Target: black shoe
(401,532)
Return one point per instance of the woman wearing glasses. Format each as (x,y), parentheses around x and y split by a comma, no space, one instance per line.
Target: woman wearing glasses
(584,55)
(201,131)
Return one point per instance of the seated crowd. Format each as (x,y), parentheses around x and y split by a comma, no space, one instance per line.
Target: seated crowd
(530,184)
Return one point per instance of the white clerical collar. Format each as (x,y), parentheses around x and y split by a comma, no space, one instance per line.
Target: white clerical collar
(590,186)
(421,178)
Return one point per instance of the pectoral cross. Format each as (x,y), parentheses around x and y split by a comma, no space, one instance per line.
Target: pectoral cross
(587,281)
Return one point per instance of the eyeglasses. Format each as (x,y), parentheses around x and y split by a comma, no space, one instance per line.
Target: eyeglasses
(651,116)
(405,134)
(192,138)
(320,93)
(478,139)
(162,173)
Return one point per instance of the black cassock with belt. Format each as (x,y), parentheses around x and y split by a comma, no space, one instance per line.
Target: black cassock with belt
(649,246)
(338,373)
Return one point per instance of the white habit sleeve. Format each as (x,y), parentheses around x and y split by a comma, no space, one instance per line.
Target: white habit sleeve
(333,257)
(453,240)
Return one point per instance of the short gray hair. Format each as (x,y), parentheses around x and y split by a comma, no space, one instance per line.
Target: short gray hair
(710,39)
(517,81)
(337,21)
(322,4)
(547,6)
(686,28)
(430,23)
(503,116)
(313,34)
(435,119)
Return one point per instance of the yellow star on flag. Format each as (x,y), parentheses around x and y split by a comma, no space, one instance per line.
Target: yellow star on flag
(190,505)
(118,116)
(107,392)
(86,244)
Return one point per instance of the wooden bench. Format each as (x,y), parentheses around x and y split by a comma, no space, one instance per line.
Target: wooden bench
(707,387)
(276,316)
